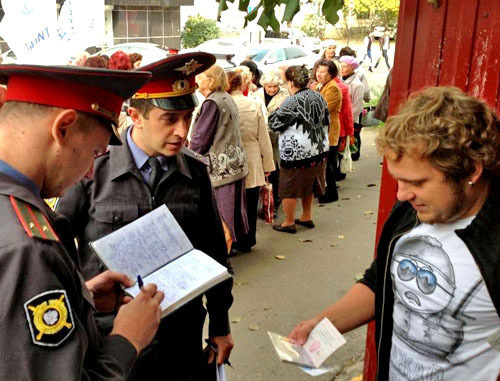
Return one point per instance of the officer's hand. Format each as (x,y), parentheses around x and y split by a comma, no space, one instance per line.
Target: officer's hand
(224,346)
(105,287)
(138,320)
(302,330)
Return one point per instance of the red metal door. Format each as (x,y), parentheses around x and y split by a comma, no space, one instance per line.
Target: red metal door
(456,43)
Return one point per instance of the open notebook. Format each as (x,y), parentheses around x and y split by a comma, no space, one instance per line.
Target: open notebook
(156,248)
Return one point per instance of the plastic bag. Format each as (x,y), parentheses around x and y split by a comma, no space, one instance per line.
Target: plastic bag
(346,161)
(266,202)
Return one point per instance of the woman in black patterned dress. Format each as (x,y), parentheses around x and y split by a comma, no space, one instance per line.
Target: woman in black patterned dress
(302,122)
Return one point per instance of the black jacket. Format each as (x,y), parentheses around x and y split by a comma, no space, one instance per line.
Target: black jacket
(32,268)
(482,238)
(117,196)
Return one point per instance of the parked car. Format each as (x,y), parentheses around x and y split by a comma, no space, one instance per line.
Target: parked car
(218,46)
(379,31)
(274,56)
(294,36)
(150,52)
(311,43)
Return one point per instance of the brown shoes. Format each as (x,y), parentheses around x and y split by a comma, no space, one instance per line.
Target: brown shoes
(292,229)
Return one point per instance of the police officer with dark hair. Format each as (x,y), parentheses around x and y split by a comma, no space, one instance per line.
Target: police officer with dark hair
(54,121)
(154,168)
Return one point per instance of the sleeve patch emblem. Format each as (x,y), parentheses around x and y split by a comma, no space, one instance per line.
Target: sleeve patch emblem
(50,318)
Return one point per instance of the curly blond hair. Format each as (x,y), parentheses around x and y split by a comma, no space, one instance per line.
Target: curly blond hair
(447,127)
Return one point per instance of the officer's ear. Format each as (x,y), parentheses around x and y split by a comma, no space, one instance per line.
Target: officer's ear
(63,124)
(136,116)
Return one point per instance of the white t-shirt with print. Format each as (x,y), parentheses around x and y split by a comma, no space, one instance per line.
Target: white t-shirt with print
(443,313)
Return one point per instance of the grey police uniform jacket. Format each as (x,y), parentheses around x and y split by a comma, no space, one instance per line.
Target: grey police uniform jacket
(47,326)
(118,195)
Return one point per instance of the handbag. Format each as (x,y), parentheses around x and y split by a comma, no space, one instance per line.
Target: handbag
(346,161)
(266,202)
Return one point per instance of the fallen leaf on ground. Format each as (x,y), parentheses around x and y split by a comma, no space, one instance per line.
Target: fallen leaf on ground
(305,240)
(254,327)
(267,308)
(368,212)
(345,198)
(340,236)
(358,276)
(237,319)
(357,378)
(371,185)
(241,283)
(321,205)
(334,244)
(281,257)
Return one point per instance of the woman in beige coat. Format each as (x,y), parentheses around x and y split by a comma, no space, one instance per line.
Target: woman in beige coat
(258,151)
(272,95)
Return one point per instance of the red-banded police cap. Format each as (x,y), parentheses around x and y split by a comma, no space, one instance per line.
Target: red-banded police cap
(173,83)
(99,92)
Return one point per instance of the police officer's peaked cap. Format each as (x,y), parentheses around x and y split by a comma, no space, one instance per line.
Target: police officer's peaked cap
(173,84)
(99,92)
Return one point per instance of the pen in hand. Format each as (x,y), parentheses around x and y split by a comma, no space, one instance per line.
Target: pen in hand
(140,283)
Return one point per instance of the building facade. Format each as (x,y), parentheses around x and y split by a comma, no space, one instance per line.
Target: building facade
(155,21)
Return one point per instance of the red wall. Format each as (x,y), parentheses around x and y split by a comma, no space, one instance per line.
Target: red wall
(457,43)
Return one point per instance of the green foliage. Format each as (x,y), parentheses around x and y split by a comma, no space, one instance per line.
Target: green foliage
(268,17)
(381,12)
(198,29)
(314,25)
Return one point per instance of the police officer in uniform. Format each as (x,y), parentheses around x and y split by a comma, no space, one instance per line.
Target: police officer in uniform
(152,168)
(53,122)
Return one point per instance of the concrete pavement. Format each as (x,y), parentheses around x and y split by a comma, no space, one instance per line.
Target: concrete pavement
(274,295)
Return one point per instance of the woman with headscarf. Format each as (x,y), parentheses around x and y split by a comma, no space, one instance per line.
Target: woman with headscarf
(329,53)
(272,95)
(302,122)
(216,134)
(258,152)
(348,66)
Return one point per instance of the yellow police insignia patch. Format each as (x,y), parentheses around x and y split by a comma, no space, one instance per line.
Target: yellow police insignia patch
(50,318)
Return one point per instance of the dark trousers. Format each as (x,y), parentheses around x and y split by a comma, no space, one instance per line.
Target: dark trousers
(386,58)
(331,173)
(249,240)
(274,179)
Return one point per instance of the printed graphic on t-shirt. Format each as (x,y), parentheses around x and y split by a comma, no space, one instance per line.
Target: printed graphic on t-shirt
(432,300)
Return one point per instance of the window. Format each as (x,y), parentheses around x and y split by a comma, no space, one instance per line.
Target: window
(276,56)
(293,52)
(160,25)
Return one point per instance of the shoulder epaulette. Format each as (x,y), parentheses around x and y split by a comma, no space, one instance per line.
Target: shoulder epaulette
(195,155)
(34,222)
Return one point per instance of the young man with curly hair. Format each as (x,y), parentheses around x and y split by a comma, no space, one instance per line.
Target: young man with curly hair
(433,288)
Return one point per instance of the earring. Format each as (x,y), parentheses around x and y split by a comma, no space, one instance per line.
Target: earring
(470,183)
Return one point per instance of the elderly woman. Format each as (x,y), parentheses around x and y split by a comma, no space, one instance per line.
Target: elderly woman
(272,96)
(332,94)
(302,122)
(348,66)
(258,152)
(216,134)
(329,53)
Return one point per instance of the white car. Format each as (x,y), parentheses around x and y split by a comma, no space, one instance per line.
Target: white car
(379,31)
(311,43)
(217,46)
(150,52)
(273,56)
